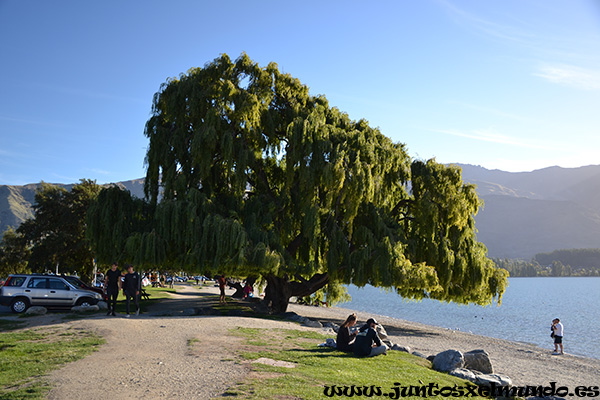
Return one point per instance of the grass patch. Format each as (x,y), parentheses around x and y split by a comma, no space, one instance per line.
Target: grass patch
(30,354)
(156,294)
(233,306)
(320,367)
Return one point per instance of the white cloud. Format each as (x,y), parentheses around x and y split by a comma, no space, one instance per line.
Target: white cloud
(99,171)
(493,137)
(570,75)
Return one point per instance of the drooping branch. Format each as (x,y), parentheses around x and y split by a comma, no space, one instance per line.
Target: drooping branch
(303,287)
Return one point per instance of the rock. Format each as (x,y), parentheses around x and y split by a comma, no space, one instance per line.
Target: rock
(463,373)
(78,309)
(388,343)
(312,323)
(397,347)
(334,327)
(102,305)
(381,332)
(448,360)
(328,331)
(290,315)
(478,360)
(36,310)
(488,379)
(418,354)
(431,358)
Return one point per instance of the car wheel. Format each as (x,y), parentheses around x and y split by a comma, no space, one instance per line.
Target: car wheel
(19,305)
(84,302)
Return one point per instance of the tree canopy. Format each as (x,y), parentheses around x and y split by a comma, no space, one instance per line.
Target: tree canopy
(56,233)
(249,174)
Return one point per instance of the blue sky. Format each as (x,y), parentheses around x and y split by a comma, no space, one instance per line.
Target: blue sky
(512,85)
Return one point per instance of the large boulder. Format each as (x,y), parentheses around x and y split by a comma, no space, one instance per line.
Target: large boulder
(496,379)
(481,379)
(36,310)
(463,373)
(448,360)
(478,360)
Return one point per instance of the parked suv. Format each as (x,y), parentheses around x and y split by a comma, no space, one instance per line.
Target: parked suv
(23,290)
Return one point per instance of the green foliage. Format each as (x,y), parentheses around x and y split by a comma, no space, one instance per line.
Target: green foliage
(56,233)
(248,174)
(14,253)
(520,268)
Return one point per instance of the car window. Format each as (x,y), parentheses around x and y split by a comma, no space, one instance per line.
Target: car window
(15,281)
(37,283)
(75,282)
(57,284)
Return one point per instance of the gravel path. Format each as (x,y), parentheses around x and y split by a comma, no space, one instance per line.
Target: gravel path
(151,356)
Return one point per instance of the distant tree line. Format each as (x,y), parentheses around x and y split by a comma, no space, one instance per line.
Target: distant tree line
(568,262)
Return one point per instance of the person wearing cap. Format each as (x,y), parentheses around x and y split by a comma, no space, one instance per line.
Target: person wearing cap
(367,342)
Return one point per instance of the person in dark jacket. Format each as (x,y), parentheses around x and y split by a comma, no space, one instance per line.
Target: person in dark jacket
(345,338)
(112,285)
(367,342)
(132,286)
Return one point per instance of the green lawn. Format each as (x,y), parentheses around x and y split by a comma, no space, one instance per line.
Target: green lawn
(27,355)
(320,368)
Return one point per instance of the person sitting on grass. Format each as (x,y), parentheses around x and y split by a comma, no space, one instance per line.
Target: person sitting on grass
(345,338)
(367,342)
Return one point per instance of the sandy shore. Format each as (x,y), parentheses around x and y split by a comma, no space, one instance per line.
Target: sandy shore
(159,357)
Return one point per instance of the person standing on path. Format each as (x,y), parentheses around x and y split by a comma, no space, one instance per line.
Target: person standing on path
(112,285)
(367,342)
(131,288)
(557,327)
(222,283)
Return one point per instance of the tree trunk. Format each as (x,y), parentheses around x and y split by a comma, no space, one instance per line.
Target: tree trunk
(277,293)
(279,290)
(239,290)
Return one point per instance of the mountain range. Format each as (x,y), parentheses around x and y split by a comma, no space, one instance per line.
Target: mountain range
(524,213)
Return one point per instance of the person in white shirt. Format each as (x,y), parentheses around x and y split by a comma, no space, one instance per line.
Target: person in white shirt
(557,327)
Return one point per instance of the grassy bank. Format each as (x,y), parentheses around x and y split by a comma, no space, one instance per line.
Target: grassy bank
(316,368)
(27,355)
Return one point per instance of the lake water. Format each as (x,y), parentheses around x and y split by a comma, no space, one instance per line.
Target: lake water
(528,307)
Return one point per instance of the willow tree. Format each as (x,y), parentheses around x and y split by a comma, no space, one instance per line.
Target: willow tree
(249,174)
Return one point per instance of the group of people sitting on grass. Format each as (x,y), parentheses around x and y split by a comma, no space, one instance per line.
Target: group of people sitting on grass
(363,342)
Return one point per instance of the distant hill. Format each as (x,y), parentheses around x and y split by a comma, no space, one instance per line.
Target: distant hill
(16,201)
(525,213)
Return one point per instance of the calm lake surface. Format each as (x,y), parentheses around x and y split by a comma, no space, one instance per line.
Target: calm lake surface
(528,307)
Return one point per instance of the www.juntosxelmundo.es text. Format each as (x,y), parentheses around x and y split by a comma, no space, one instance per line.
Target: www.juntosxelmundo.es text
(433,389)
